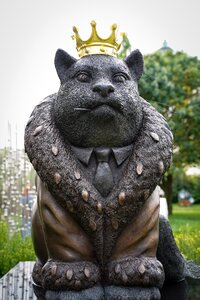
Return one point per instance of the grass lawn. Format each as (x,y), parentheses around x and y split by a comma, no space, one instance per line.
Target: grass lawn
(185,223)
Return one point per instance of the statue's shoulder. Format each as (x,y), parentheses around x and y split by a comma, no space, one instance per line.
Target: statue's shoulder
(47,100)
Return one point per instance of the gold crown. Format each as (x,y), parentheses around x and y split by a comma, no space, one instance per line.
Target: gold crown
(95,44)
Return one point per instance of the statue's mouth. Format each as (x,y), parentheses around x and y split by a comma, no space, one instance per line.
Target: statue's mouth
(115,105)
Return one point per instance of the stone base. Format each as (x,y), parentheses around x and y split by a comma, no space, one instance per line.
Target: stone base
(99,293)
(171,291)
(94,293)
(131,293)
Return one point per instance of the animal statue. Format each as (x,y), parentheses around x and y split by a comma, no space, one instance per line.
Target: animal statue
(100,151)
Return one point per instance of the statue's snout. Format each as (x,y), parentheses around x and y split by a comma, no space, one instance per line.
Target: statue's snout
(103,88)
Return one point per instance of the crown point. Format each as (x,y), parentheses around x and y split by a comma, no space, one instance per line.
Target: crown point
(114,26)
(75,29)
(93,23)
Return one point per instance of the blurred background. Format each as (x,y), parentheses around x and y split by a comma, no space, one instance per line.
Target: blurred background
(166,32)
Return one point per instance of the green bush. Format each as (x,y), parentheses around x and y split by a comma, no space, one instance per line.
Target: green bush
(13,249)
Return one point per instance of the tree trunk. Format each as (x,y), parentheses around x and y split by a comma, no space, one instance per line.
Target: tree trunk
(167,187)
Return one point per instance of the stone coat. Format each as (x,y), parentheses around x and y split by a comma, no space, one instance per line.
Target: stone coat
(105,230)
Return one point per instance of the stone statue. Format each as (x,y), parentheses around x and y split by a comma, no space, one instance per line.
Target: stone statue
(100,151)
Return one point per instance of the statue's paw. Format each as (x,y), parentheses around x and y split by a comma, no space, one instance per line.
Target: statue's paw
(75,276)
(136,271)
(131,293)
(94,293)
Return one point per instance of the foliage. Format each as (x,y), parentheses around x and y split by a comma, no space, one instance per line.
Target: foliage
(125,48)
(3,153)
(189,183)
(186,229)
(13,249)
(171,82)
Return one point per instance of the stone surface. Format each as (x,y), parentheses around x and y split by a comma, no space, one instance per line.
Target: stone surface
(131,293)
(192,270)
(94,293)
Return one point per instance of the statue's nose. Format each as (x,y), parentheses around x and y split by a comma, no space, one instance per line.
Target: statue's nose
(104,89)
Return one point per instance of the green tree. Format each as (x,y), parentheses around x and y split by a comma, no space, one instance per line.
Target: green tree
(171,82)
(125,48)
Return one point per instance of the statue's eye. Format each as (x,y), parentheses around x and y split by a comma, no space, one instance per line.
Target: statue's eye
(83,77)
(120,77)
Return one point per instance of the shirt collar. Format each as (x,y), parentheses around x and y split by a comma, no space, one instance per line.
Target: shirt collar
(120,154)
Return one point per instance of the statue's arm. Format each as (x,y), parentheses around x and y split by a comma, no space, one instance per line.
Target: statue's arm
(133,261)
(65,239)
(69,251)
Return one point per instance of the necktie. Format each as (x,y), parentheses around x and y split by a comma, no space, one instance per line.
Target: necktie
(103,180)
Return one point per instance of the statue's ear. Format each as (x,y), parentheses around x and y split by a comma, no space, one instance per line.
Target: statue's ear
(62,63)
(135,63)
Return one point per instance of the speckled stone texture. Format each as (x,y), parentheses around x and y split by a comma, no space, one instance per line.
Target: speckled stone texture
(131,293)
(192,270)
(94,293)
(107,293)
